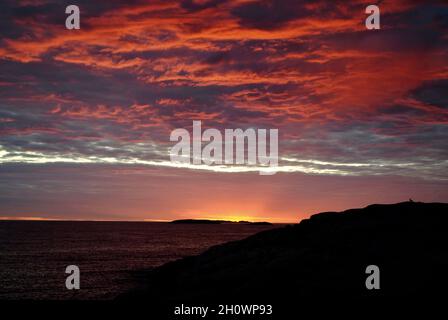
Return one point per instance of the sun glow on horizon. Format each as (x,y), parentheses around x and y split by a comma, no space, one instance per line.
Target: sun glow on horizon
(238,218)
(8,218)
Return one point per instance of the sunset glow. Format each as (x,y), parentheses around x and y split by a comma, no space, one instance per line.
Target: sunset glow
(86,115)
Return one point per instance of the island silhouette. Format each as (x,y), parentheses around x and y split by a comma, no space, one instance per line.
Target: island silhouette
(207,221)
(325,255)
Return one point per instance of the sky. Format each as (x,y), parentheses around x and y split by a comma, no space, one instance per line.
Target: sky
(86,115)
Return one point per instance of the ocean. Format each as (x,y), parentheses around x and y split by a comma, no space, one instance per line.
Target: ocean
(34,254)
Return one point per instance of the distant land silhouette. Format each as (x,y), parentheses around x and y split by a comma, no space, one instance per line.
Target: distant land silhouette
(325,255)
(206,221)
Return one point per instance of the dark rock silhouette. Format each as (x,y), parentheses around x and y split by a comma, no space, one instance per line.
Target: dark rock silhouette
(195,221)
(325,255)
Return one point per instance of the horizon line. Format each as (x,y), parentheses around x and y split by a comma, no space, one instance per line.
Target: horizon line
(8,218)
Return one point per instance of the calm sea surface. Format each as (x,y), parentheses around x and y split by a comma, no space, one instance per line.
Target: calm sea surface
(34,254)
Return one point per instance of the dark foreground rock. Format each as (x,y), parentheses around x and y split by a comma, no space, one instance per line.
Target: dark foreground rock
(325,255)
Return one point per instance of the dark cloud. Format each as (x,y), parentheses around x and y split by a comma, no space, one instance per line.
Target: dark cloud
(195,5)
(270,14)
(433,92)
(402,110)
(273,14)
